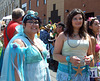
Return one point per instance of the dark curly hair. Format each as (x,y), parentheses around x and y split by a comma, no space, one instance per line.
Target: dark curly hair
(90,22)
(69,27)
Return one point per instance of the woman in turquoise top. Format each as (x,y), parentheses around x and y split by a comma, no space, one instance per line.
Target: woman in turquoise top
(25,55)
(73,49)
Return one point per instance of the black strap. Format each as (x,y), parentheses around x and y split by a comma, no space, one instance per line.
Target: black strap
(35,46)
(6,33)
(39,51)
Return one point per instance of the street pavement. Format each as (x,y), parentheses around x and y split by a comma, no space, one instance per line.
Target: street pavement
(53,75)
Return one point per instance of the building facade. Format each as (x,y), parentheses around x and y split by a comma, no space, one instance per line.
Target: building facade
(57,10)
(39,6)
(54,10)
(6,7)
(91,8)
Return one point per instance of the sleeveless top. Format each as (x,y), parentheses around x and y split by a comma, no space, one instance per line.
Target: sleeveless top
(97,47)
(30,68)
(77,48)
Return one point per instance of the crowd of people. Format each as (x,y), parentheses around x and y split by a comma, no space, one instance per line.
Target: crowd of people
(29,50)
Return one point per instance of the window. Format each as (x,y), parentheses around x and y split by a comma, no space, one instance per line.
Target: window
(44,1)
(24,6)
(29,4)
(44,21)
(37,3)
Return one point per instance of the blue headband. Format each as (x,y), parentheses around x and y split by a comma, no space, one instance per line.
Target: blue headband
(30,15)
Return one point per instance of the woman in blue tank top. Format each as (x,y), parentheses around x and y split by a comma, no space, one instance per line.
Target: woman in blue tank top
(73,49)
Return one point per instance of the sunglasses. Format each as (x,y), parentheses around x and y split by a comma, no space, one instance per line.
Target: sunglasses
(59,26)
(33,22)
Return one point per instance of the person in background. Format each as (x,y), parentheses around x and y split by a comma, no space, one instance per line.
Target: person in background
(73,49)
(59,28)
(25,57)
(1,34)
(38,33)
(1,46)
(93,26)
(44,34)
(10,31)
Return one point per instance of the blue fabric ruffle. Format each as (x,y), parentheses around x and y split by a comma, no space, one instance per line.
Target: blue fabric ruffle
(69,69)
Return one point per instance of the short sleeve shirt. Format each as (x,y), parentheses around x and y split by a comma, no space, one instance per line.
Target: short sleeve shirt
(10,31)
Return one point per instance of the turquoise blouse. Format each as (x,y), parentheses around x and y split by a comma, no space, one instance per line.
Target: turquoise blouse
(31,66)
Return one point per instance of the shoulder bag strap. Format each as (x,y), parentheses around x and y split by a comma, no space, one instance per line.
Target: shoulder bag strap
(6,33)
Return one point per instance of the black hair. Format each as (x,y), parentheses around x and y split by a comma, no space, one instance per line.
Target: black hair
(90,23)
(62,24)
(3,27)
(69,27)
(29,17)
(39,20)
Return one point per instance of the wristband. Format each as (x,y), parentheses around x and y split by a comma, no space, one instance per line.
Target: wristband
(91,59)
(68,58)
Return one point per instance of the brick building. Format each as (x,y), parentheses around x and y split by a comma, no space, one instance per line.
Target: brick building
(57,10)
(90,7)
(37,5)
(6,7)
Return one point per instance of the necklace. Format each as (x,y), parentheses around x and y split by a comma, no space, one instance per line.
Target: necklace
(34,45)
(29,39)
(71,45)
(74,35)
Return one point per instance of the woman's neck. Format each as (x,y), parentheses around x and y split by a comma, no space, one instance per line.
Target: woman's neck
(75,32)
(31,36)
(95,34)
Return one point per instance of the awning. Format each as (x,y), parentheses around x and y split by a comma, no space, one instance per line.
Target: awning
(7,17)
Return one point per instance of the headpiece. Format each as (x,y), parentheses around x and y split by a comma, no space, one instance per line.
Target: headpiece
(91,18)
(30,15)
(48,26)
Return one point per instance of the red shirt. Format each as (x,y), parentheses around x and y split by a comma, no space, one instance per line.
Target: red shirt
(10,31)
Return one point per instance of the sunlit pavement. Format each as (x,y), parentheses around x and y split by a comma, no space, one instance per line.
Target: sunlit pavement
(53,75)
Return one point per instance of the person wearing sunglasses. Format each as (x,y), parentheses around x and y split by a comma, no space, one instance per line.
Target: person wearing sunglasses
(25,57)
(93,26)
(59,28)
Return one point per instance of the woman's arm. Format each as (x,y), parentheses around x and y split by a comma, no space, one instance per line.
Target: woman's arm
(18,41)
(89,59)
(93,41)
(57,54)
(58,49)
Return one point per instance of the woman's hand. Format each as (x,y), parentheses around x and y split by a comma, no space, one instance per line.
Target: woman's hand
(75,60)
(87,60)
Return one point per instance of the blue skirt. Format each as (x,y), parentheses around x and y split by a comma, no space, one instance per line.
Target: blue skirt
(63,74)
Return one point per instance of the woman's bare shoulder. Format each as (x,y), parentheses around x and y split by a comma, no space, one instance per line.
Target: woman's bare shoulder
(91,38)
(62,35)
(20,42)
